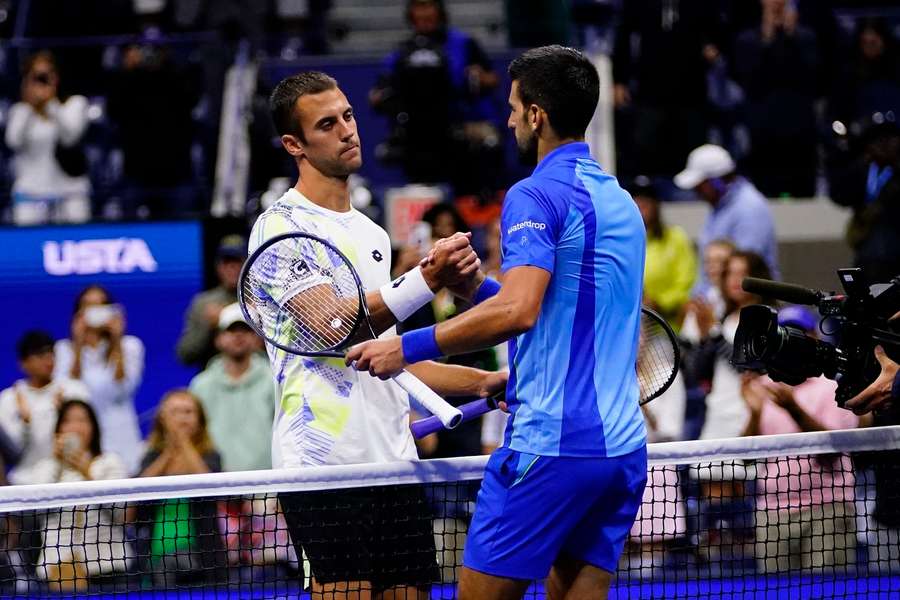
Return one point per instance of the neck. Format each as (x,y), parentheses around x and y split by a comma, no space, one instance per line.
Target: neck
(38,382)
(551,143)
(235,367)
(332,193)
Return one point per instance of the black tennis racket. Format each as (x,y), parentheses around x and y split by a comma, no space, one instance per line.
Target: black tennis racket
(657,366)
(302,295)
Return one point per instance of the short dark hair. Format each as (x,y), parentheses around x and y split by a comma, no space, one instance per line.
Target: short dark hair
(66,406)
(288,91)
(563,82)
(34,342)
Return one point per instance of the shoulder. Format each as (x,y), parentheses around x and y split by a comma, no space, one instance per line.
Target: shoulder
(132,343)
(108,466)
(75,102)
(74,388)
(20,108)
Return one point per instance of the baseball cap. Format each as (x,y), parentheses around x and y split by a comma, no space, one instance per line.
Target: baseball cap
(704,163)
(232,246)
(797,316)
(231,315)
(34,342)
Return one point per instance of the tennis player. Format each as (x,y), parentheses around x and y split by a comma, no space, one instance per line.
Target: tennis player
(560,496)
(360,543)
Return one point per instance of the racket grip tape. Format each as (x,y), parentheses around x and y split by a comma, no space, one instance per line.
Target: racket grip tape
(469,410)
(448,416)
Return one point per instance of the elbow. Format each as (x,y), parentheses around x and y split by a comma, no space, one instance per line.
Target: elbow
(520,319)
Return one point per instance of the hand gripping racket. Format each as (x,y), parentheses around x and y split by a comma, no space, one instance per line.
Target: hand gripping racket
(302,295)
(657,365)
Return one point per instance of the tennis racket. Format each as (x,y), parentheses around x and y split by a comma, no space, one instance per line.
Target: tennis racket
(302,295)
(657,366)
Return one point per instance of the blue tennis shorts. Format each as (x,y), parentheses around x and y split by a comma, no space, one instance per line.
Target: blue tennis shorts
(531,508)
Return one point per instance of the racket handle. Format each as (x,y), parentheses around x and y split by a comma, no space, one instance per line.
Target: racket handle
(469,410)
(449,416)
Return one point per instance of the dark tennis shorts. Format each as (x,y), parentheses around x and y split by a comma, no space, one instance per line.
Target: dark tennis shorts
(532,508)
(383,535)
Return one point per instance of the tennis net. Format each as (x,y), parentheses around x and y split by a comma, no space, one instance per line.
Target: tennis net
(805,515)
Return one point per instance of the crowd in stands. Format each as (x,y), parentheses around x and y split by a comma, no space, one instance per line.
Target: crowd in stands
(723,105)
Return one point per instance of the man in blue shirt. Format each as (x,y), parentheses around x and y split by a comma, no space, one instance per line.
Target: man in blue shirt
(740,212)
(561,494)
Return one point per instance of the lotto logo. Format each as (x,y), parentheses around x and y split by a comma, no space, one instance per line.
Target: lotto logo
(89,257)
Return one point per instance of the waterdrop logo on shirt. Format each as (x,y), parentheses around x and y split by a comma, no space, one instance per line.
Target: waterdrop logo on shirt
(89,257)
(526,224)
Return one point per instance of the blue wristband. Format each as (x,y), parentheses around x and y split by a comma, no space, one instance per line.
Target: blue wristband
(420,344)
(488,289)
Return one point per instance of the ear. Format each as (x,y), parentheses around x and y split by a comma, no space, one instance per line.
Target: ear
(218,340)
(534,117)
(293,145)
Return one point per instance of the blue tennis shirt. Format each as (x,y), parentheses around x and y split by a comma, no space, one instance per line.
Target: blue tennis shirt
(573,388)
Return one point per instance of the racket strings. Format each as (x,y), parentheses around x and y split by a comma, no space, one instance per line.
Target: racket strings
(302,295)
(656,358)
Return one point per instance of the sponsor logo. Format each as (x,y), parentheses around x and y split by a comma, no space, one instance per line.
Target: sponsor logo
(301,269)
(89,257)
(377,256)
(397,283)
(526,224)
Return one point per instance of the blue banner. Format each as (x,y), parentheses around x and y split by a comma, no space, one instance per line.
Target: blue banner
(152,270)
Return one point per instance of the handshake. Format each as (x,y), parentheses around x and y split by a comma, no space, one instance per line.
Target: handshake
(452,263)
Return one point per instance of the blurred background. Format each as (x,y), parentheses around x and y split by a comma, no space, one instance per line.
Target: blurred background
(137,142)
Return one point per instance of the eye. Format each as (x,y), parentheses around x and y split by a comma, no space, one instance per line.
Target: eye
(348,116)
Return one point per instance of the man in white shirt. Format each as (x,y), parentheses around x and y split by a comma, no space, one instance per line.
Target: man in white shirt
(29,407)
(376,540)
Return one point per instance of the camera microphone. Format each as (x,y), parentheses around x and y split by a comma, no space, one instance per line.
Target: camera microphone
(788,292)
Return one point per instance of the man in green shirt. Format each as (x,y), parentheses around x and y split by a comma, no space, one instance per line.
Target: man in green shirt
(197,342)
(238,395)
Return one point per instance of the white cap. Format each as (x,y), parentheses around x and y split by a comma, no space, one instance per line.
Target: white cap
(704,163)
(230,315)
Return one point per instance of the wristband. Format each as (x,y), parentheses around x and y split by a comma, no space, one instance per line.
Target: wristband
(488,289)
(420,344)
(406,294)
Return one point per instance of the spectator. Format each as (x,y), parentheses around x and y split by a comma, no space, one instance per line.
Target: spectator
(111,364)
(671,264)
(777,65)
(197,342)
(150,101)
(84,542)
(660,82)
(870,185)
(739,214)
(237,392)
(438,93)
(180,530)
(801,496)
(43,131)
(28,409)
(726,412)
(869,81)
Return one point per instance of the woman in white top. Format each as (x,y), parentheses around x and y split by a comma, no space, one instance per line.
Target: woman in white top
(111,365)
(42,190)
(83,542)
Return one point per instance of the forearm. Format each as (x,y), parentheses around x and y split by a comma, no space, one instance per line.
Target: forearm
(380,315)
(449,380)
(158,467)
(805,421)
(493,321)
(193,461)
(752,427)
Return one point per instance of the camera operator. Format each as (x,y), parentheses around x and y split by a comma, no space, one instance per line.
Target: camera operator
(883,392)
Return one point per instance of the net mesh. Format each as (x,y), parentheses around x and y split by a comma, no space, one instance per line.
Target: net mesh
(301,294)
(806,515)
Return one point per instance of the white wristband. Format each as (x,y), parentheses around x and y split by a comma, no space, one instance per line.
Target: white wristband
(406,294)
